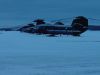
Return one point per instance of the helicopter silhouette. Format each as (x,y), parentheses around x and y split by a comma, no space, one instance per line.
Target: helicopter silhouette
(78,26)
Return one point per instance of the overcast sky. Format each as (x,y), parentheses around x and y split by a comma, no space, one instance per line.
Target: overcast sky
(21,11)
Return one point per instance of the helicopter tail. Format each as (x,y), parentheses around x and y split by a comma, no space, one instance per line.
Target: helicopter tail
(79,25)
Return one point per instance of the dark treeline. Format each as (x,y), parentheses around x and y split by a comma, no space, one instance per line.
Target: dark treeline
(91,27)
(94,27)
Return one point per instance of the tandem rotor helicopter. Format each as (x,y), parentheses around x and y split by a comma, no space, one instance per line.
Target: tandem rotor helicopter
(78,26)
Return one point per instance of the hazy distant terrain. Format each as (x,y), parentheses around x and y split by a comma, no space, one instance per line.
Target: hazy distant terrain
(16,12)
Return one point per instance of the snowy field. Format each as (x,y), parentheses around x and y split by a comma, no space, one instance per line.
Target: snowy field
(28,54)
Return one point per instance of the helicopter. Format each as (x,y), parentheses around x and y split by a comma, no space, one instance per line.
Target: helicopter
(78,26)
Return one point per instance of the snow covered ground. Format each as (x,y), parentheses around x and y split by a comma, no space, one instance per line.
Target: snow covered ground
(28,54)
